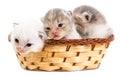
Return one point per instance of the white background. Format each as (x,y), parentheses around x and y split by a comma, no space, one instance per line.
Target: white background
(14,10)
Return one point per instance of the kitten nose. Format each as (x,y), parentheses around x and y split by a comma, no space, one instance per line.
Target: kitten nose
(20,49)
(54,33)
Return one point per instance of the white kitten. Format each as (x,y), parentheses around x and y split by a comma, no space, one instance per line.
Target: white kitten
(28,36)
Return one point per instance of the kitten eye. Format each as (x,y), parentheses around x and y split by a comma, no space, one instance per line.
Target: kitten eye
(60,25)
(47,28)
(28,44)
(16,40)
(87,17)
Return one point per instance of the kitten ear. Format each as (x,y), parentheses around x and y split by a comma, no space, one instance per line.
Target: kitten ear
(87,16)
(69,13)
(15,24)
(42,35)
(42,19)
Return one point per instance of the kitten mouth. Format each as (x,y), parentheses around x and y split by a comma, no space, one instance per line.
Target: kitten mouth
(20,50)
(56,37)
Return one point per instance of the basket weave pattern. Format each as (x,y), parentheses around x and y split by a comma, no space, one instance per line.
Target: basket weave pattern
(59,55)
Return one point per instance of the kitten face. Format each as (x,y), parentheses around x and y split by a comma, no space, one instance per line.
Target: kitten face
(83,17)
(26,38)
(57,23)
(87,15)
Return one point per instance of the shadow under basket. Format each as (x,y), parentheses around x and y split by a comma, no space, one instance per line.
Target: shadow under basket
(67,55)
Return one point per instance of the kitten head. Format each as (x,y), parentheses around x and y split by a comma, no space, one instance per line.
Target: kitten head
(82,15)
(57,23)
(27,37)
(88,15)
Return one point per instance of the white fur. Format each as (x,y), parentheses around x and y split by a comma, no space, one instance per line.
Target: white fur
(29,31)
(73,34)
(100,31)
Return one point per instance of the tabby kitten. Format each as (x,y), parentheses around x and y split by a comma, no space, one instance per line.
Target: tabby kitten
(58,24)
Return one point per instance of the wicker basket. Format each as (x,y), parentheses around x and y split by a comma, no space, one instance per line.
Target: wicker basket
(67,55)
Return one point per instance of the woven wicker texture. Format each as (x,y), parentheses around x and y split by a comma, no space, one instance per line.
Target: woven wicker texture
(66,55)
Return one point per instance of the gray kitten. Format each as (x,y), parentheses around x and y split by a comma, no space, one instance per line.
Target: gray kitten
(91,23)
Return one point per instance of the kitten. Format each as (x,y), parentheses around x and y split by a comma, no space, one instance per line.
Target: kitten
(91,23)
(28,36)
(58,24)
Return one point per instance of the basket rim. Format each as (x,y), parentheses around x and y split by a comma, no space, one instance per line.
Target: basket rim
(80,41)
